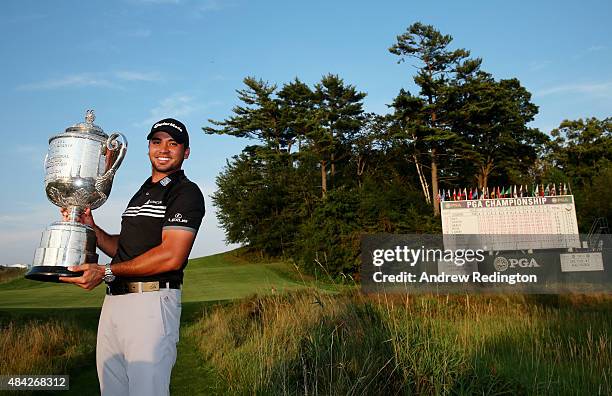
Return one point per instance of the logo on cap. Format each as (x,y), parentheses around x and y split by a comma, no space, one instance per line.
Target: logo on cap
(173,125)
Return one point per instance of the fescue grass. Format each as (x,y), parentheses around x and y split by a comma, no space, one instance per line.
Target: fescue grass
(316,343)
(296,340)
(50,347)
(8,273)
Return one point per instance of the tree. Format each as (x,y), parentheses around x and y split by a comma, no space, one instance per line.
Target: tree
(437,67)
(580,147)
(256,201)
(259,118)
(338,113)
(491,118)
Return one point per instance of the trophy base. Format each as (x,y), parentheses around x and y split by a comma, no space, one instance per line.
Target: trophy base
(62,245)
(48,273)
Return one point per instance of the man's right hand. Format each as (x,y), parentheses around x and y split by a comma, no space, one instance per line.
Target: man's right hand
(86,217)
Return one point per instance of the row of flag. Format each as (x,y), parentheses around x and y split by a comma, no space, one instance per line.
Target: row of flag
(537,190)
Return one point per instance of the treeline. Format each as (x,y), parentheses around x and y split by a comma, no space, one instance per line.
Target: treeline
(323,171)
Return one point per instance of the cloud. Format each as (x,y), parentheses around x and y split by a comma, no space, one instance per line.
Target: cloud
(589,51)
(25,18)
(596,89)
(538,65)
(138,33)
(82,80)
(138,76)
(79,80)
(177,105)
(159,1)
(211,5)
(596,48)
(200,5)
(30,154)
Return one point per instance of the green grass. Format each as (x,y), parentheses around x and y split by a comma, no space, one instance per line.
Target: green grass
(209,281)
(264,328)
(212,278)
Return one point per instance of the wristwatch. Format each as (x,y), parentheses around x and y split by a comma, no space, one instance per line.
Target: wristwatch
(108,274)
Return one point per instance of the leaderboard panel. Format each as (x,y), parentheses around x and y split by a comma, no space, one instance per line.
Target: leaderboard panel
(514,223)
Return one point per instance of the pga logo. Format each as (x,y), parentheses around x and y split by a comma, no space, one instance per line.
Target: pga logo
(501,263)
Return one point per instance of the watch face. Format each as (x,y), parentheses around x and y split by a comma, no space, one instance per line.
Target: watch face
(108,274)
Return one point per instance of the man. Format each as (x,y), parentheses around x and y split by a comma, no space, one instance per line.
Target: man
(139,322)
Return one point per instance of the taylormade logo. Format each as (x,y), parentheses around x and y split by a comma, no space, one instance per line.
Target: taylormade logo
(173,125)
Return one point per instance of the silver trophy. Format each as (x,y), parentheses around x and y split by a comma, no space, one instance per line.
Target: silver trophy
(79,170)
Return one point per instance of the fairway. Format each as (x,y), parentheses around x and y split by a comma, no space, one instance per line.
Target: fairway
(212,278)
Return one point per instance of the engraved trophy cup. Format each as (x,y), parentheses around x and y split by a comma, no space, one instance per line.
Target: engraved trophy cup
(79,170)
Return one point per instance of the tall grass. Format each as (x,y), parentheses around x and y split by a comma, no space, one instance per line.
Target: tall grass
(7,274)
(312,343)
(49,347)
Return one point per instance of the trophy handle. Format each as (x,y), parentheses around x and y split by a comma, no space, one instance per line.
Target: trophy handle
(103,183)
(112,144)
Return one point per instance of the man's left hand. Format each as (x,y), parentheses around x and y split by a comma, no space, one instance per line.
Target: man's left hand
(93,275)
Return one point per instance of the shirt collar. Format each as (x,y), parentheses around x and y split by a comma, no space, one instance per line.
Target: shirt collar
(173,177)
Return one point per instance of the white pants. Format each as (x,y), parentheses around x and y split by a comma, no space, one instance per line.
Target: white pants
(136,347)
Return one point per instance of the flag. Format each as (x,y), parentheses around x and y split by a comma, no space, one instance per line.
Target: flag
(471,194)
(568,191)
(515,194)
(553,191)
(492,195)
(547,191)
(454,195)
(442,196)
(498,194)
(521,191)
(438,196)
(448,196)
(542,192)
(465,193)
(475,193)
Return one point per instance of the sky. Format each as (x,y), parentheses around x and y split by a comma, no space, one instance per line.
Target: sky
(137,61)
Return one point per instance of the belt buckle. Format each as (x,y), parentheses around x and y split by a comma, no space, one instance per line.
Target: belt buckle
(142,287)
(150,286)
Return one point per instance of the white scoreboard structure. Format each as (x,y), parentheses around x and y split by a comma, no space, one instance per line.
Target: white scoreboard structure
(512,223)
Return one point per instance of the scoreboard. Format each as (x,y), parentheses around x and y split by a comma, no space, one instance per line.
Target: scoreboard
(513,223)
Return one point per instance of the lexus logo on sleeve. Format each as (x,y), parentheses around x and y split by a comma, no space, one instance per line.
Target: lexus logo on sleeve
(178,218)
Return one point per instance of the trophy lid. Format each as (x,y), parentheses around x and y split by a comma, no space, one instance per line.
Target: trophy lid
(88,126)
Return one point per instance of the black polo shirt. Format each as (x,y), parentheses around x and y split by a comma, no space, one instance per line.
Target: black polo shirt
(174,202)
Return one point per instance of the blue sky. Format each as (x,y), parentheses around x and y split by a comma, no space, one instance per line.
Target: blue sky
(137,61)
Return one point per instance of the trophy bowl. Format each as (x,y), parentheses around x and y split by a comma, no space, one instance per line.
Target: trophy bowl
(79,169)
